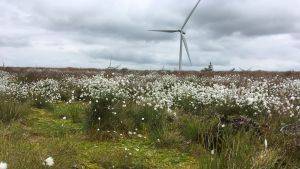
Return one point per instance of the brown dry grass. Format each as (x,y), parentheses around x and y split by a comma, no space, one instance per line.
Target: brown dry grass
(57,73)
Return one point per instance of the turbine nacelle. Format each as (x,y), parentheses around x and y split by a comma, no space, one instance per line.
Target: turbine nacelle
(182,32)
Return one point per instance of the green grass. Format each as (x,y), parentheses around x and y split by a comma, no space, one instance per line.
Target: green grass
(11,110)
(44,134)
(105,115)
(73,111)
(182,142)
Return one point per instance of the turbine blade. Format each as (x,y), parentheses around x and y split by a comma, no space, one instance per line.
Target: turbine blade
(189,16)
(186,49)
(167,31)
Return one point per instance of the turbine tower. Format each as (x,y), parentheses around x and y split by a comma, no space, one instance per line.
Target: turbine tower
(182,37)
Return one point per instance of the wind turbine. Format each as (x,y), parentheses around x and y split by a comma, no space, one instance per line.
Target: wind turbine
(110,67)
(182,36)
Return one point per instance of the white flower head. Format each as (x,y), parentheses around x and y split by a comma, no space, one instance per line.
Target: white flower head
(250,101)
(266,143)
(3,165)
(49,161)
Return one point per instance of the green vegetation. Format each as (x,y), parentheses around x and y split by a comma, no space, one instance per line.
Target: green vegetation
(147,122)
(105,116)
(187,141)
(46,133)
(11,110)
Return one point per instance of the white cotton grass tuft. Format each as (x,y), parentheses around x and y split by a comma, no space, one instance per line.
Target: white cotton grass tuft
(3,165)
(266,144)
(49,161)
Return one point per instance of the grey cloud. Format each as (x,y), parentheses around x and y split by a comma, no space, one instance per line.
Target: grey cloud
(100,23)
(226,18)
(125,56)
(98,29)
(296,36)
(228,33)
(13,42)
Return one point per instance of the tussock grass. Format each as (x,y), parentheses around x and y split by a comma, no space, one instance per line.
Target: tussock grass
(106,116)
(74,111)
(11,110)
(23,154)
(41,103)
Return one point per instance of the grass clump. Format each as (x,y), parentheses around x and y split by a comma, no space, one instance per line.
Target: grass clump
(73,111)
(145,119)
(24,155)
(11,110)
(105,116)
(100,114)
(41,103)
(242,150)
(201,130)
(170,139)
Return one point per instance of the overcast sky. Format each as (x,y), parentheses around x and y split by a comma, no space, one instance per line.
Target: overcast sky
(256,34)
